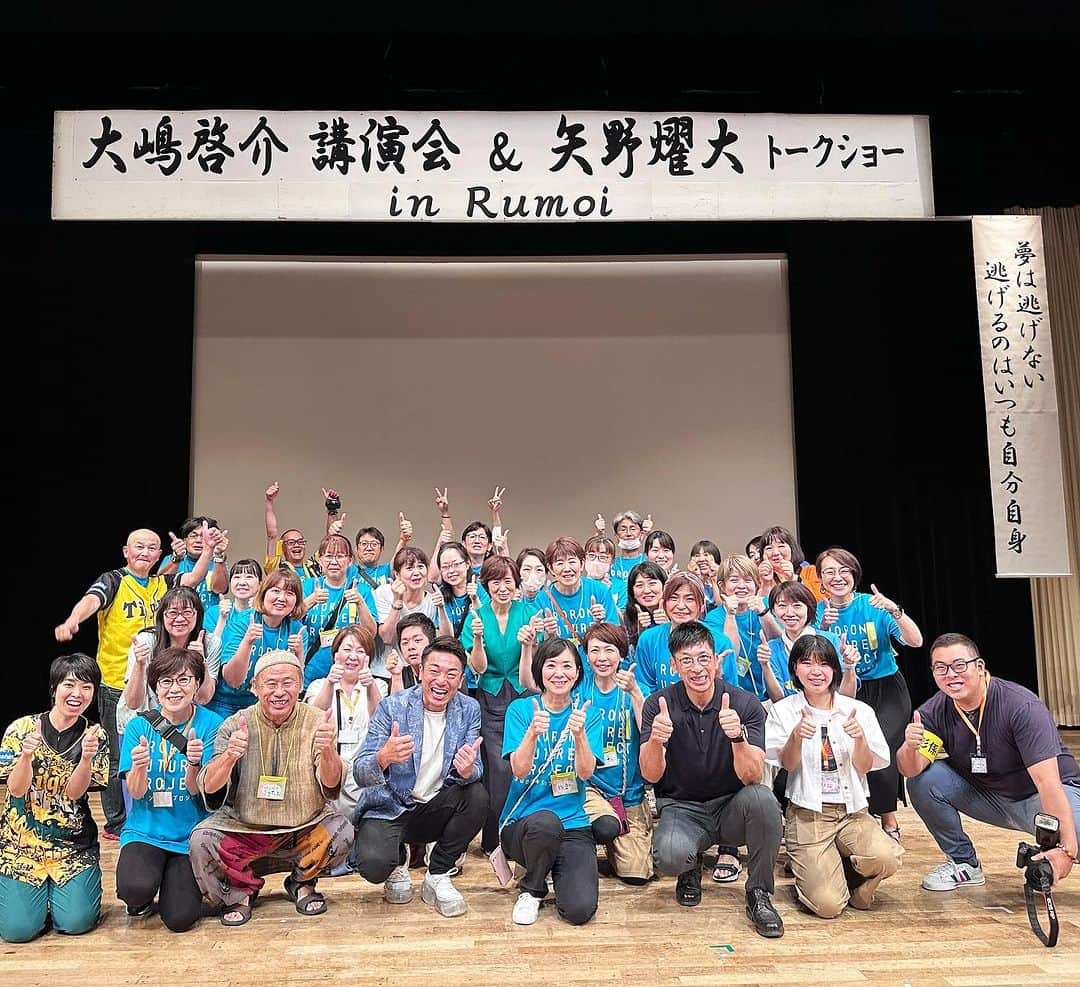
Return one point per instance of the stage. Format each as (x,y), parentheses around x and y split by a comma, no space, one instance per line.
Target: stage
(965,938)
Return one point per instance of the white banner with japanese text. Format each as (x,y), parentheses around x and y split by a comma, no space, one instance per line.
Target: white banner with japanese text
(487,167)
(1030,533)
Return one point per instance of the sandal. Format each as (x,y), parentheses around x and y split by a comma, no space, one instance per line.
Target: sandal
(243,910)
(292,889)
(725,871)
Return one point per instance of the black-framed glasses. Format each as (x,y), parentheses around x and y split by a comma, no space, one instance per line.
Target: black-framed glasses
(294,542)
(958,667)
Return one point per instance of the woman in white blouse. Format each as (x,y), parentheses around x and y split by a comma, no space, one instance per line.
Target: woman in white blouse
(828,743)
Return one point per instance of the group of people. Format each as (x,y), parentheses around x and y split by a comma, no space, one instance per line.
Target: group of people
(328,713)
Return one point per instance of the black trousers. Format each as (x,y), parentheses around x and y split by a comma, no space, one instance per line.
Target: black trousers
(497,772)
(891,703)
(542,846)
(144,871)
(450,821)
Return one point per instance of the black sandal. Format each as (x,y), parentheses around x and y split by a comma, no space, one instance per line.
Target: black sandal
(245,914)
(292,889)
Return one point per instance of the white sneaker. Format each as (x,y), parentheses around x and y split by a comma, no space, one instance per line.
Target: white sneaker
(398,887)
(526,909)
(439,890)
(459,863)
(950,875)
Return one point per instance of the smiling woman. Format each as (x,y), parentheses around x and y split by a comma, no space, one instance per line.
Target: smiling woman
(48,839)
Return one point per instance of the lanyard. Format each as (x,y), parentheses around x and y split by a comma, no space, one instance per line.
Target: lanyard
(275,764)
(976,730)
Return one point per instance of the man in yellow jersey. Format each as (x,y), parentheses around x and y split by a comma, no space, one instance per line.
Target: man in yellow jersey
(124,601)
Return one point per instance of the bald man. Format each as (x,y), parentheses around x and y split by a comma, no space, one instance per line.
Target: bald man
(124,601)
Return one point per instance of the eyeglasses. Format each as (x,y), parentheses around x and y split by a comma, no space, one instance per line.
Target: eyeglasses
(183,681)
(959,666)
(702,661)
(451,565)
(173,614)
(594,557)
(294,542)
(832,573)
(368,544)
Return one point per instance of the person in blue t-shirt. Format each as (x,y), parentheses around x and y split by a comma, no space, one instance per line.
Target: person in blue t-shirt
(332,601)
(644,606)
(571,602)
(599,555)
(160,764)
(370,543)
(553,745)
(793,606)
(186,549)
(615,794)
(870,622)
(683,601)
(629,529)
(736,587)
(274,623)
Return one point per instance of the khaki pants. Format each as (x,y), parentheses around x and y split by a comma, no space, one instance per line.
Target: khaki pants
(629,855)
(838,857)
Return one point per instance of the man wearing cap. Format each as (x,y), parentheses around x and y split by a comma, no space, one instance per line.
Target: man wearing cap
(419,770)
(274,770)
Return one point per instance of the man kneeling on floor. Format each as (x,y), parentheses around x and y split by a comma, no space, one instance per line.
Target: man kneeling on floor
(275,767)
(419,772)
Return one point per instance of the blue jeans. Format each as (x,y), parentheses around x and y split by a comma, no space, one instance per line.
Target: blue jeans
(939,795)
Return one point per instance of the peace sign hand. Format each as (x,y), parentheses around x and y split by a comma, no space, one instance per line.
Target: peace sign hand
(442,502)
(496,501)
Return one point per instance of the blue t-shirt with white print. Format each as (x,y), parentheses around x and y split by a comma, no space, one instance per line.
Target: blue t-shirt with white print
(656,667)
(621,740)
(871,630)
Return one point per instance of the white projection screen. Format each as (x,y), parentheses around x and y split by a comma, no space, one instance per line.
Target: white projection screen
(581,385)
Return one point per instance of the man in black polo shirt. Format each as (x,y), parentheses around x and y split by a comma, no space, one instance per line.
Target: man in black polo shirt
(703,748)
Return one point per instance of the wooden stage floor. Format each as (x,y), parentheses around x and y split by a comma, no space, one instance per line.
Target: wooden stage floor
(639,936)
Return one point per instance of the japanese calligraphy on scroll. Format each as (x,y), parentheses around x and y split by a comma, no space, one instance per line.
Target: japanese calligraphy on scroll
(483,167)
(1022,427)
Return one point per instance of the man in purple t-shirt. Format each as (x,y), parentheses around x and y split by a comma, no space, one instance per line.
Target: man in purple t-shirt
(1001,760)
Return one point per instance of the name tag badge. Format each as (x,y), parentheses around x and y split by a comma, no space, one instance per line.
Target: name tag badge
(611,757)
(271,787)
(978,764)
(346,737)
(162,800)
(742,663)
(326,638)
(564,783)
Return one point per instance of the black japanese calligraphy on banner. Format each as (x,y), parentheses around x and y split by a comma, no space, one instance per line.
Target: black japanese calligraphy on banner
(487,167)
(1022,426)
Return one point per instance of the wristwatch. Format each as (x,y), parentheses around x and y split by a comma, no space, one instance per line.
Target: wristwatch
(743,737)
(898,612)
(397,606)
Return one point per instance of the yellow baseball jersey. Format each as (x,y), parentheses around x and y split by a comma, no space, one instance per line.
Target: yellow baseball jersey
(307,569)
(127,607)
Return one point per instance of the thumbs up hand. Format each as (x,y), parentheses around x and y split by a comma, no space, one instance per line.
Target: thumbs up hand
(853,728)
(644,618)
(600,524)
(647,525)
(551,624)
(829,617)
(194,750)
(806,728)
(32,741)
(465,758)
(326,734)
(140,755)
(198,644)
(91,742)
(729,719)
(914,735)
(478,626)
(576,723)
(764,654)
(398,748)
(541,720)
(625,680)
(596,609)
(142,649)
(238,740)
(880,600)
(178,546)
(404,527)
(662,727)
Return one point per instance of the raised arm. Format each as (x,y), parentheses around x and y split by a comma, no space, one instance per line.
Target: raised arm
(271,519)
